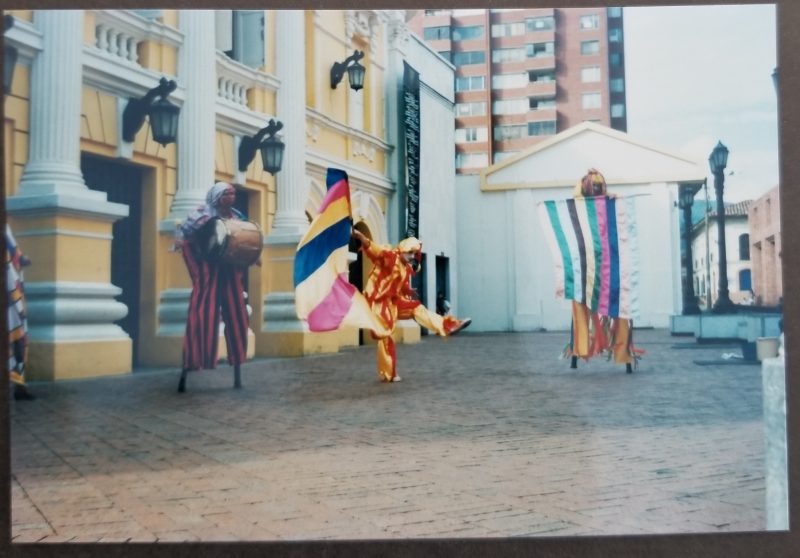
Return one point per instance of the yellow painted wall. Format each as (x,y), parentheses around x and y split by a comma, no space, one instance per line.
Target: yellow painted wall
(25,15)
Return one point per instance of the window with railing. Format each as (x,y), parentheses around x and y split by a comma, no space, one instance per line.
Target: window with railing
(590,74)
(501,55)
(510,106)
(590,21)
(469,57)
(509,81)
(470,135)
(537,76)
(468,33)
(470,83)
(541,104)
(744,247)
(436,33)
(547,128)
(508,29)
(471,109)
(591,100)
(504,133)
(590,47)
(240,35)
(540,23)
(537,50)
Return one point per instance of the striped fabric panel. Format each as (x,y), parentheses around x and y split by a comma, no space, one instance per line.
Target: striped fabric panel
(594,249)
(324,297)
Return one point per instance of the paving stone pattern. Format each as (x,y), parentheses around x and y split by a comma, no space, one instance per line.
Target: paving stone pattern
(488,435)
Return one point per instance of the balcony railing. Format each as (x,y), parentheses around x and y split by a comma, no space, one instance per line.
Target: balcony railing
(118,33)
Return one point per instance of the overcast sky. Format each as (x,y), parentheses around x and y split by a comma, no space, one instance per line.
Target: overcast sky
(698,75)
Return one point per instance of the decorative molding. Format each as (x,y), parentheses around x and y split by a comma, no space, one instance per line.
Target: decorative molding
(26,38)
(105,73)
(312,131)
(363,24)
(397,32)
(142,28)
(363,150)
(317,164)
(234,79)
(324,121)
(65,232)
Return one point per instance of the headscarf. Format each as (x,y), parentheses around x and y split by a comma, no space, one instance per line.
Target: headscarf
(200,216)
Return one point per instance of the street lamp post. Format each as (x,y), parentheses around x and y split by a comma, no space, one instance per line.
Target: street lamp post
(685,201)
(717,161)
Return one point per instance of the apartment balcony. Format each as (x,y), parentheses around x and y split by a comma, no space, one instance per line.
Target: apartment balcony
(471,121)
(542,115)
(475,96)
(535,90)
(517,144)
(532,63)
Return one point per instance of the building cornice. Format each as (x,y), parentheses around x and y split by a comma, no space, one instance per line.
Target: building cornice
(317,164)
(141,27)
(26,39)
(319,120)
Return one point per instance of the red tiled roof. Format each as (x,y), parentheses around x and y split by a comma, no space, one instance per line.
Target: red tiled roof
(738,209)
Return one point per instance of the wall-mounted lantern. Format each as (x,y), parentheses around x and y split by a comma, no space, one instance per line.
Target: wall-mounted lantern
(163,114)
(355,71)
(265,141)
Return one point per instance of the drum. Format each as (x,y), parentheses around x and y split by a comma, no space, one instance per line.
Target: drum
(233,242)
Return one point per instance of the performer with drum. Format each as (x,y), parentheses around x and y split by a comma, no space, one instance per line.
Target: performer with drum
(217,281)
(391,297)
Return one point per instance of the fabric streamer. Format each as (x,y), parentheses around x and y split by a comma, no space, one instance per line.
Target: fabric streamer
(595,252)
(324,296)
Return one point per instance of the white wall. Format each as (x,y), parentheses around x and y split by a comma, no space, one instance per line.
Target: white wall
(506,268)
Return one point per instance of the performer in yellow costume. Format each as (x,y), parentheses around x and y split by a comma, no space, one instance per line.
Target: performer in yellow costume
(593,334)
(391,297)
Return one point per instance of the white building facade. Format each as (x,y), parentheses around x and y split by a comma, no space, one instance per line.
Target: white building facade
(506,272)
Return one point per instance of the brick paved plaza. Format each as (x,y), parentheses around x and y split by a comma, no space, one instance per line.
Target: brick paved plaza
(488,435)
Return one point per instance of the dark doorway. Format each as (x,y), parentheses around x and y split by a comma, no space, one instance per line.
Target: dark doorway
(418,284)
(356,272)
(443,276)
(122,183)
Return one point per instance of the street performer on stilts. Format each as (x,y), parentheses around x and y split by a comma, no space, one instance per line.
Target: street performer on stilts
(593,333)
(392,298)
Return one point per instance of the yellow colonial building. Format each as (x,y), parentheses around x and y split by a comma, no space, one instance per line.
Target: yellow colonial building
(97,214)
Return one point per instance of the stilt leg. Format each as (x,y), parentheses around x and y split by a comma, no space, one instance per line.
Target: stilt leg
(237,376)
(182,382)
(628,368)
(574,363)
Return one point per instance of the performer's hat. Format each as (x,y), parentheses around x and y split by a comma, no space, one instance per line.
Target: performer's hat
(592,184)
(410,244)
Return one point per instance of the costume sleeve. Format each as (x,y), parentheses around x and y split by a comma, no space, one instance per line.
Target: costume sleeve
(374,252)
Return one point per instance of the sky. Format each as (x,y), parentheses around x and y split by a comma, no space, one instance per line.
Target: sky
(696,75)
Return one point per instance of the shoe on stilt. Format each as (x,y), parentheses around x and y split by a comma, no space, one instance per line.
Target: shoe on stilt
(182,382)
(628,368)
(397,379)
(237,377)
(22,393)
(461,324)
(574,363)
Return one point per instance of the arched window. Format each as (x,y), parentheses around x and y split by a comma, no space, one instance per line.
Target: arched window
(744,247)
(745,281)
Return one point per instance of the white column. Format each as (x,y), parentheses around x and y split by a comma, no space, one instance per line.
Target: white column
(290,219)
(53,168)
(196,129)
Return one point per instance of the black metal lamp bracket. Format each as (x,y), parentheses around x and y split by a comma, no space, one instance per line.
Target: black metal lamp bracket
(249,144)
(136,110)
(339,68)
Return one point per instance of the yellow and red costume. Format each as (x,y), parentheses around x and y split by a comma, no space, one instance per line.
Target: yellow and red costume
(391,297)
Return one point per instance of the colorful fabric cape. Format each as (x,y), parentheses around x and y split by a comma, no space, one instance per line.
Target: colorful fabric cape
(595,252)
(17,315)
(324,296)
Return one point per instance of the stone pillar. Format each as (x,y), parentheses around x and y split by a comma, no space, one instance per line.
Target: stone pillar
(282,334)
(197,63)
(290,220)
(773,376)
(197,71)
(63,226)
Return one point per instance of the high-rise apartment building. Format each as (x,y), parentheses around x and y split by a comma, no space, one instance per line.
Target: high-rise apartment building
(524,75)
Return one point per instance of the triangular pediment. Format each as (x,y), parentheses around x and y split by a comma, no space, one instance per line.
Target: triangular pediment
(563,159)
